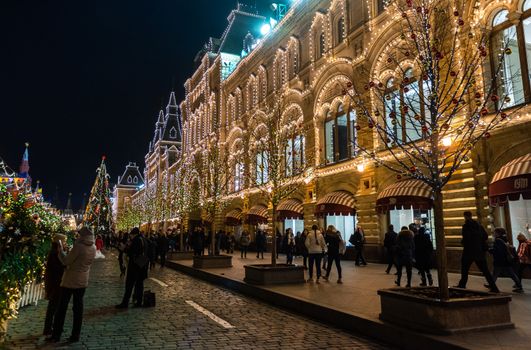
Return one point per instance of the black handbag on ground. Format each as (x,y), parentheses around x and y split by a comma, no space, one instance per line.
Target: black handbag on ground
(149,299)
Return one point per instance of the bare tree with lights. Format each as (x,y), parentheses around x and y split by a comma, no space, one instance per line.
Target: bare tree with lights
(280,166)
(428,115)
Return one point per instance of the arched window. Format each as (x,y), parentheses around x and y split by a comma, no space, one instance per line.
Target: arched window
(404,109)
(173,133)
(511,40)
(294,155)
(135,179)
(340,30)
(238,177)
(340,135)
(262,168)
(322,45)
(129,179)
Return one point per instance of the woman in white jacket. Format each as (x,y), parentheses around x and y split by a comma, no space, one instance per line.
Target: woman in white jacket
(316,246)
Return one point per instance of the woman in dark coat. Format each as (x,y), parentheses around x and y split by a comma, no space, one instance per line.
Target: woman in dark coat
(423,252)
(333,241)
(405,248)
(504,257)
(52,281)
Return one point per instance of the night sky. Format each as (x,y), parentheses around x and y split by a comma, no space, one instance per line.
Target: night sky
(81,79)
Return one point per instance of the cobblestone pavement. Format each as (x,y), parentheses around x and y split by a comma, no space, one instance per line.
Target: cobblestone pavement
(176,324)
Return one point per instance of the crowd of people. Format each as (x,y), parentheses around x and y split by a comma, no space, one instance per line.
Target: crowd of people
(68,268)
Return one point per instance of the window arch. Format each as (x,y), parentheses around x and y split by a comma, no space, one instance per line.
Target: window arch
(514,39)
(340,30)
(135,179)
(322,45)
(129,179)
(340,134)
(173,133)
(404,108)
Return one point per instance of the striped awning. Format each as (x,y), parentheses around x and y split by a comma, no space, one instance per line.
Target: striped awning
(405,194)
(257,214)
(290,209)
(233,217)
(336,203)
(511,182)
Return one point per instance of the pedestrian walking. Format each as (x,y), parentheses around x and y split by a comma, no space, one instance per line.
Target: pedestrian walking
(152,251)
(316,246)
(325,254)
(302,248)
(52,281)
(99,247)
(137,269)
(504,258)
(245,240)
(290,246)
(231,241)
(196,240)
(524,254)
(358,241)
(333,241)
(405,248)
(261,242)
(163,246)
(390,248)
(73,283)
(121,251)
(423,253)
(475,246)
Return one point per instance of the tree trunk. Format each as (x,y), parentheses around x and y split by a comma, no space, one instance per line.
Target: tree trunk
(181,237)
(213,240)
(442,264)
(274,242)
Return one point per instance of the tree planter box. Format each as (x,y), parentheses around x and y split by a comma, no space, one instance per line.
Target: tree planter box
(265,274)
(180,255)
(419,308)
(212,261)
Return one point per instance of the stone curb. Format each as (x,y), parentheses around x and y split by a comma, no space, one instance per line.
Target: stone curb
(386,333)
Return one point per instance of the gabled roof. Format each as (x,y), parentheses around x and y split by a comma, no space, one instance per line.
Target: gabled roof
(240,24)
(171,130)
(131,177)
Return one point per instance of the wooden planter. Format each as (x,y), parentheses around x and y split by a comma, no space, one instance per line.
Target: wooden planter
(419,309)
(180,255)
(265,274)
(212,261)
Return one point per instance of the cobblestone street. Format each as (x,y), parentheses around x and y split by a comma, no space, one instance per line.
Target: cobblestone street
(175,323)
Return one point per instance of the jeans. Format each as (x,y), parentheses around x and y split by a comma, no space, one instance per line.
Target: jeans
(315,259)
(360,259)
(466,262)
(337,260)
(53,305)
(244,251)
(507,270)
(390,257)
(59,321)
(289,257)
(133,280)
(409,267)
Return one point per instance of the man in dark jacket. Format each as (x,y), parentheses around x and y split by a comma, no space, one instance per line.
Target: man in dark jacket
(390,247)
(423,252)
(474,247)
(358,240)
(137,269)
(504,256)
(163,245)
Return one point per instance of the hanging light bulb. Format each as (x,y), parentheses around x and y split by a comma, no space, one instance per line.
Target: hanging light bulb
(447,141)
(361,167)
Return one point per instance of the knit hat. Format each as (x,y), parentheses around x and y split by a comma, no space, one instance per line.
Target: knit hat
(85,231)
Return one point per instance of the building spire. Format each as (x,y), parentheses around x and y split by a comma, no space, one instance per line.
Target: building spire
(24,165)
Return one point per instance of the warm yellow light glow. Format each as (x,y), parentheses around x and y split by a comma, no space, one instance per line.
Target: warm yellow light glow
(361,167)
(447,141)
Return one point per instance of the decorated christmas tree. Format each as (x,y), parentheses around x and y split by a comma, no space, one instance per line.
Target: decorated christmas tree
(98,214)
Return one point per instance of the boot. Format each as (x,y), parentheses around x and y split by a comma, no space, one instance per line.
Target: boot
(423,282)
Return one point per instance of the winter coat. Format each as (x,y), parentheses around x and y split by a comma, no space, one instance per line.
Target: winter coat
(524,252)
(502,253)
(78,261)
(315,242)
(333,240)
(53,274)
(405,246)
(423,248)
(474,240)
(358,239)
(245,240)
(163,244)
(99,244)
(197,239)
(390,240)
(301,246)
(139,246)
(261,240)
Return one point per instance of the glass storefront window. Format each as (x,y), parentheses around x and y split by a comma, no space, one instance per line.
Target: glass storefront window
(344,224)
(296,225)
(407,216)
(520,216)
(329,140)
